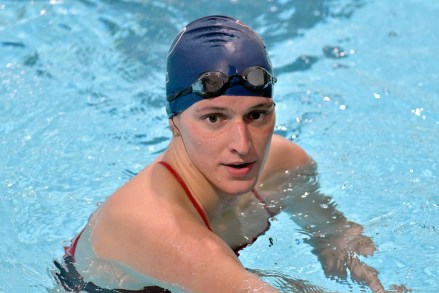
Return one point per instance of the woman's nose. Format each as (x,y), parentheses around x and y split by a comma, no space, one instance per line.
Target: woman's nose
(240,141)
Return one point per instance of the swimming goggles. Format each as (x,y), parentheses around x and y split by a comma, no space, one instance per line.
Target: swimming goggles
(213,84)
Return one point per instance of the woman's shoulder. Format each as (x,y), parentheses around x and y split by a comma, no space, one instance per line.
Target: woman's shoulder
(157,232)
(144,209)
(284,155)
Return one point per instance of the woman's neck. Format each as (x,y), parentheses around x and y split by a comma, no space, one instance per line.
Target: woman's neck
(212,200)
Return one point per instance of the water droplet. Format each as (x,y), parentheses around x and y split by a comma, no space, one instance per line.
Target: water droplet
(418,112)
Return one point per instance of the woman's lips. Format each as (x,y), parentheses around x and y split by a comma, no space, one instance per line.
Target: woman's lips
(239,169)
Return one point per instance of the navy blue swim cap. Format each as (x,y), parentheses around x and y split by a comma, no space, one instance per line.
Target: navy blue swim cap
(213,43)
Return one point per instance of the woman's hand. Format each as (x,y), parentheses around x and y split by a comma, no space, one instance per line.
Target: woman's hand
(337,249)
(338,252)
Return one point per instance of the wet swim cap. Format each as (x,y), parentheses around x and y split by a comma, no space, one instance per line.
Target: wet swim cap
(213,43)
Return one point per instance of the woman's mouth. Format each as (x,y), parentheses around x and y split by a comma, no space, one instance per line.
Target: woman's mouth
(240,166)
(239,169)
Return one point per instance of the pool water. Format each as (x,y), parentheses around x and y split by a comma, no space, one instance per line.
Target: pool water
(82,110)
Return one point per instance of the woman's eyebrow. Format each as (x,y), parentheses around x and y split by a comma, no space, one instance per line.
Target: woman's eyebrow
(212,108)
(263,105)
(226,109)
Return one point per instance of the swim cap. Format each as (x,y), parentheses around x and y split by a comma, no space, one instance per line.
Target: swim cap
(213,43)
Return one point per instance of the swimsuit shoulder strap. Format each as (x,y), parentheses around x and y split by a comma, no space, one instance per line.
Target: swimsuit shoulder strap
(188,192)
(272,214)
(70,250)
(262,201)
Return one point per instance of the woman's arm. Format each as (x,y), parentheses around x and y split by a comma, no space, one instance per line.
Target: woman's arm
(290,184)
(286,155)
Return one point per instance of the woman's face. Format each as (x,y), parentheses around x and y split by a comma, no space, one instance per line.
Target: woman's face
(227,138)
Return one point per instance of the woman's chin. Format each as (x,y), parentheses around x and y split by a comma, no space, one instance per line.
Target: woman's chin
(237,188)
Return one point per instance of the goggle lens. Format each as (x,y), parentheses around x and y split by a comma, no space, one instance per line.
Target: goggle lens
(210,83)
(257,77)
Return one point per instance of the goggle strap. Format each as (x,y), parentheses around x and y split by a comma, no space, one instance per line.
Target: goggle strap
(198,87)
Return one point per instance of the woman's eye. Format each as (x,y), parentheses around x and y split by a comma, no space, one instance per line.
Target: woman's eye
(212,119)
(256,115)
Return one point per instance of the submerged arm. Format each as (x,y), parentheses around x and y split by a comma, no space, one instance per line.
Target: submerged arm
(336,241)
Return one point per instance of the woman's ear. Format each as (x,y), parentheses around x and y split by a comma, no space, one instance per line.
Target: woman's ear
(174,129)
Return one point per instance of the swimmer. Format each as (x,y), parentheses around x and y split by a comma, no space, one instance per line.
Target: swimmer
(178,225)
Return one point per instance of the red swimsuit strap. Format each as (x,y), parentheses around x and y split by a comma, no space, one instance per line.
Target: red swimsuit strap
(188,192)
(70,250)
(272,214)
(262,201)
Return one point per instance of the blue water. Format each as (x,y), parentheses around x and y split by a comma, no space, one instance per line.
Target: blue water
(82,110)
